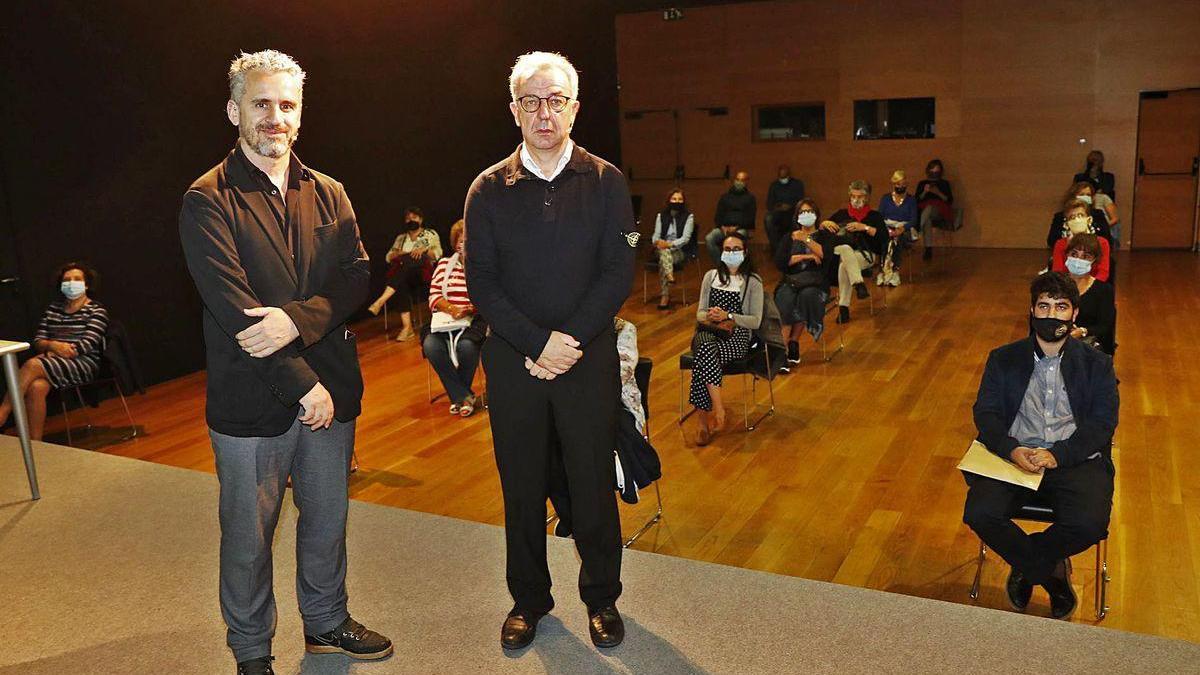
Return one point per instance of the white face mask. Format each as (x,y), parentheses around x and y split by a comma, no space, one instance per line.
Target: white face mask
(1086,199)
(806,218)
(73,289)
(1079,225)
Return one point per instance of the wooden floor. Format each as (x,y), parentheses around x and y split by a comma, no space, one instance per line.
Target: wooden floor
(853,479)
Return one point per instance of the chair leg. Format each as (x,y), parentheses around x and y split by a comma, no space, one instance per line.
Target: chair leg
(385,319)
(649,523)
(353,462)
(87,419)
(66,417)
(1102,579)
(645,287)
(133,432)
(746,400)
(978,571)
(682,416)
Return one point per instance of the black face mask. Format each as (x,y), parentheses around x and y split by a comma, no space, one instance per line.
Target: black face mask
(677,207)
(411,225)
(1051,329)
(934,175)
(900,190)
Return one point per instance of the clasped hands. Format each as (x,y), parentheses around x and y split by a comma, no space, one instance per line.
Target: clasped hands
(558,356)
(1033,460)
(274,332)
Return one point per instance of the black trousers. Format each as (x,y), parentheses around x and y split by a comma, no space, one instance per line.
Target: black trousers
(406,278)
(1082,499)
(579,409)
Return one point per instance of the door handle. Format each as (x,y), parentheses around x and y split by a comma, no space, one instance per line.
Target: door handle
(9,280)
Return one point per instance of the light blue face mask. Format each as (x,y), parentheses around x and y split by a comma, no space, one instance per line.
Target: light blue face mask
(733,259)
(806,218)
(73,289)
(1078,266)
(1086,199)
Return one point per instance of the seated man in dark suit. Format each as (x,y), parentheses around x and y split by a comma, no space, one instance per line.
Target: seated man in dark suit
(1048,403)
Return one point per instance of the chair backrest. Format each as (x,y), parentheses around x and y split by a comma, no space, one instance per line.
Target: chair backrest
(118,360)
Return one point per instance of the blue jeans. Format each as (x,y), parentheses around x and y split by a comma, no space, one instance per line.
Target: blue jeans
(457,381)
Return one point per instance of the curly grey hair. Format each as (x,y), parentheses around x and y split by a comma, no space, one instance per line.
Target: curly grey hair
(267,60)
(528,65)
(860,185)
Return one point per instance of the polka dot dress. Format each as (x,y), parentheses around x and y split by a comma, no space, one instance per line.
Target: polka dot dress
(711,352)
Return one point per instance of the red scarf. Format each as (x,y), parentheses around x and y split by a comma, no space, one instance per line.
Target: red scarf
(859,215)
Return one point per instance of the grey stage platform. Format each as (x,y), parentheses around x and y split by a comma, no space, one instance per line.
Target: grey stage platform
(115,571)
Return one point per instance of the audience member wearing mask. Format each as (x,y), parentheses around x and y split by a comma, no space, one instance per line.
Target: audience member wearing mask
(1094,173)
(805,258)
(731,306)
(735,213)
(934,200)
(673,227)
(1084,192)
(1097,320)
(67,345)
(784,193)
(861,241)
(454,355)
(899,211)
(410,268)
(1079,219)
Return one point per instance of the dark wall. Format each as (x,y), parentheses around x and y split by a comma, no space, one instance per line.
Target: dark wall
(111,109)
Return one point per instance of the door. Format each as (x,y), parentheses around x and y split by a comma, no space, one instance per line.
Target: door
(1165,189)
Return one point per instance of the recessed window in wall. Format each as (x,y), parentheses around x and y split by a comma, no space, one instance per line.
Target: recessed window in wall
(790,122)
(881,118)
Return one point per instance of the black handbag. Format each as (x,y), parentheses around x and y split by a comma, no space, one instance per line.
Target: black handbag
(805,278)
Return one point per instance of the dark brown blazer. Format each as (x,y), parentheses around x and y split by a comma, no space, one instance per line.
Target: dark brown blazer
(238,257)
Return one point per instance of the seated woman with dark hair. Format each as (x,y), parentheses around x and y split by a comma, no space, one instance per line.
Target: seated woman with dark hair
(806,260)
(731,306)
(1078,219)
(934,202)
(410,265)
(1097,320)
(672,232)
(454,355)
(69,342)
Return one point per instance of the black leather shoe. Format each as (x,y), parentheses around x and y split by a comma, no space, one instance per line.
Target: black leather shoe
(606,627)
(352,639)
(843,314)
(519,629)
(1019,590)
(861,289)
(259,666)
(1062,596)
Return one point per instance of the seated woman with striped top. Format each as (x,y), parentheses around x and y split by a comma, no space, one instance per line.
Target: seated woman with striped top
(454,355)
(68,344)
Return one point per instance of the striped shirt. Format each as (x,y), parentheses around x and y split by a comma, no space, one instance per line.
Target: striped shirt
(85,329)
(449,283)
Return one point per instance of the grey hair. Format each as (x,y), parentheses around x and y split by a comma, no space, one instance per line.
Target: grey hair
(267,60)
(530,64)
(860,185)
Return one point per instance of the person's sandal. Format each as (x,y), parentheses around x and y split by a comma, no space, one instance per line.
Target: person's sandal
(454,408)
(467,408)
(704,437)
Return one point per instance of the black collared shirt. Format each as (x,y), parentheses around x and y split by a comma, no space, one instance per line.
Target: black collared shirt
(285,210)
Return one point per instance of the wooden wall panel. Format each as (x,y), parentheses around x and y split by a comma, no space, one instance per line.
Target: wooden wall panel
(1016,86)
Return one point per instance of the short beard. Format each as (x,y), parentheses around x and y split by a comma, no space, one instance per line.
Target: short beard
(263,144)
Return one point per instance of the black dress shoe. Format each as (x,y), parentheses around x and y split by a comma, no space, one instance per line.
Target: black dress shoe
(793,352)
(352,639)
(1062,596)
(861,289)
(843,314)
(606,627)
(1019,590)
(259,666)
(519,629)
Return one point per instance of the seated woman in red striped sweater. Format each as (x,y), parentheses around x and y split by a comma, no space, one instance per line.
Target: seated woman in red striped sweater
(454,354)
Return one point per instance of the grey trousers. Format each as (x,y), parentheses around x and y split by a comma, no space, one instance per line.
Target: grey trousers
(253,473)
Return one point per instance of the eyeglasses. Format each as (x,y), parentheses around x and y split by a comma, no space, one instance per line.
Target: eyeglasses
(556,102)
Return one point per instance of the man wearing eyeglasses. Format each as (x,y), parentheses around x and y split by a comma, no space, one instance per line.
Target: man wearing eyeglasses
(1048,404)
(549,262)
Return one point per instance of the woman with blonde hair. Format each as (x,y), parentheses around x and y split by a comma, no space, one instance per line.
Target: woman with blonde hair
(899,211)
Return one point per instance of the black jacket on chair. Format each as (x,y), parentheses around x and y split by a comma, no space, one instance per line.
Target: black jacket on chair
(238,258)
(1091,386)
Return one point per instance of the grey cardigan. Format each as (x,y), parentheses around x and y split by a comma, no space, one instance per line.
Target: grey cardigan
(752,300)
